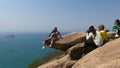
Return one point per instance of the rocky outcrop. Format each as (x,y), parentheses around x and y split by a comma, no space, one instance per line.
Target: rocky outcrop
(111,35)
(73,39)
(107,56)
(73,45)
(75,52)
(69,40)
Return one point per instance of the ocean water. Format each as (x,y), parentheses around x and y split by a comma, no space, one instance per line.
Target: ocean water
(21,50)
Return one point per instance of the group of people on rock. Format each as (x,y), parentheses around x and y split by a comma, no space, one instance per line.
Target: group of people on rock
(98,38)
(94,38)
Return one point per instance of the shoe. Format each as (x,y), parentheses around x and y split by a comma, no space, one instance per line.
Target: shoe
(50,45)
(43,47)
(116,35)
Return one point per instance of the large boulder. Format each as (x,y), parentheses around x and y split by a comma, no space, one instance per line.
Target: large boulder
(56,63)
(69,63)
(64,62)
(107,56)
(76,51)
(111,35)
(69,40)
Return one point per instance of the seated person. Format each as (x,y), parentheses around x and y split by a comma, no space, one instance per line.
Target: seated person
(116,28)
(53,36)
(102,31)
(93,39)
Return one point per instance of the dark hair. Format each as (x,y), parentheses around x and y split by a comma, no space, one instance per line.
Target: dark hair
(55,29)
(92,29)
(117,20)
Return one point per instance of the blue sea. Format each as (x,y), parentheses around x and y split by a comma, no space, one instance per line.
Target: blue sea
(21,50)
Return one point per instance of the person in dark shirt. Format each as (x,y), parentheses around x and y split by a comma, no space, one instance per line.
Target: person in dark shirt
(53,36)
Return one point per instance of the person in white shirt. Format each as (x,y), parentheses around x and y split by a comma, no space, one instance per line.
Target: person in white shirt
(93,39)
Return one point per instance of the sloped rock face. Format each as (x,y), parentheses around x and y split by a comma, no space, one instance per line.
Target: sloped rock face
(56,63)
(69,63)
(112,64)
(102,57)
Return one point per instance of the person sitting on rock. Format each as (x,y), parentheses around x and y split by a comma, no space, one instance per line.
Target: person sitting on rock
(53,36)
(116,28)
(93,39)
(102,31)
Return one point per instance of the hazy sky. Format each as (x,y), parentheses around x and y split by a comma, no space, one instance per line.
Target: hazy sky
(67,15)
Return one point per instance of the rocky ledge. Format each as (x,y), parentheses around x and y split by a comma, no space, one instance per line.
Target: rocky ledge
(106,56)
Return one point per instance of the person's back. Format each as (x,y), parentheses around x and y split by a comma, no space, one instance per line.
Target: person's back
(98,39)
(103,34)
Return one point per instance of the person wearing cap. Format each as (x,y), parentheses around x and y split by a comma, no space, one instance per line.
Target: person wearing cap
(102,32)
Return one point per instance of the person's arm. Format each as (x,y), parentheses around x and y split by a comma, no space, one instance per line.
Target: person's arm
(49,34)
(60,35)
(119,27)
(89,35)
(114,27)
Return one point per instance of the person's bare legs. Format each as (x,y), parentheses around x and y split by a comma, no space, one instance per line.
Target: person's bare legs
(44,43)
(51,43)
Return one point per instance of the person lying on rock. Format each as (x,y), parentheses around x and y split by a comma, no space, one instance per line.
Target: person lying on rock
(93,39)
(103,33)
(53,36)
(116,28)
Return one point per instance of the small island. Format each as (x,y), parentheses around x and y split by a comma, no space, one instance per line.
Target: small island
(10,36)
